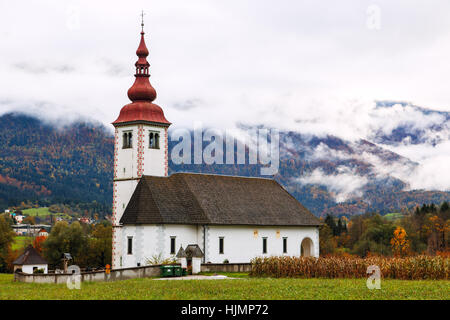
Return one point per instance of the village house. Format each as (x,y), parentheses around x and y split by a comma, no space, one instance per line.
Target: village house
(29,229)
(42,233)
(30,262)
(224,218)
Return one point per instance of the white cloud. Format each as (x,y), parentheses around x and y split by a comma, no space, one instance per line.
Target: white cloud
(313,67)
(345,184)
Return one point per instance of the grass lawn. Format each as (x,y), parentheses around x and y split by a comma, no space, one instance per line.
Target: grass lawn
(394,216)
(36,212)
(242,288)
(20,241)
(43,212)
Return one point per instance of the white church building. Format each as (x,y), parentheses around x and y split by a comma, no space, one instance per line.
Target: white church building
(229,218)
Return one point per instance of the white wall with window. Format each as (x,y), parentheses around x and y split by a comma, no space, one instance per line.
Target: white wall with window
(243,243)
(30,268)
(155,151)
(232,243)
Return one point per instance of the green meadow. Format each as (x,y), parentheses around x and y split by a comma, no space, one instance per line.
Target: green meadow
(242,287)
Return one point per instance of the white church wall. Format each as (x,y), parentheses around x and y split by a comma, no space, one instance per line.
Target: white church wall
(123,190)
(126,158)
(243,243)
(152,240)
(154,159)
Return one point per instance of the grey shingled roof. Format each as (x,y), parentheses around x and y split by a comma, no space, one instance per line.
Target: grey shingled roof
(181,253)
(189,198)
(194,251)
(30,256)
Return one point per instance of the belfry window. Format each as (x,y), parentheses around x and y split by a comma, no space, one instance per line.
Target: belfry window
(153,140)
(127,140)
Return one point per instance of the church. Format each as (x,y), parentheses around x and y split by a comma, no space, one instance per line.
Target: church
(224,218)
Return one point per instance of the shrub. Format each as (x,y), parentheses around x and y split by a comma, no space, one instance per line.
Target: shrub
(158,259)
(414,268)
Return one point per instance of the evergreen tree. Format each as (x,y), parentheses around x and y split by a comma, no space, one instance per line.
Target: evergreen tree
(329,220)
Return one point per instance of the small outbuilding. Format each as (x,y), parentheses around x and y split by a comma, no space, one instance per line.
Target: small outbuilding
(194,257)
(30,262)
(182,257)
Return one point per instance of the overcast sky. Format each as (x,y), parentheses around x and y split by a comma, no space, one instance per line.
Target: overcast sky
(310,65)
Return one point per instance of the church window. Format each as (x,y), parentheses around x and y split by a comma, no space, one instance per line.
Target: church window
(153,140)
(127,140)
(172,245)
(221,245)
(130,245)
(284,245)
(264,248)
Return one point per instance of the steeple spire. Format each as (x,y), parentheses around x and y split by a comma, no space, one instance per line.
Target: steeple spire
(142,94)
(142,23)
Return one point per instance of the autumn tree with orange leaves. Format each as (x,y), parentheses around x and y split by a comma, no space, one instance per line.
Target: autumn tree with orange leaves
(400,243)
(37,243)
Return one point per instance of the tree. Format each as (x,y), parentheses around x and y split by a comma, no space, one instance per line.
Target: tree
(327,242)
(38,242)
(329,220)
(341,227)
(375,237)
(399,242)
(444,207)
(29,220)
(64,238)
(6,239)
(100,246)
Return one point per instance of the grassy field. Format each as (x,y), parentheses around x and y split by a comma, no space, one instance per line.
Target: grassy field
(20,241)
(240,288)
(393,216)
(37,212)
(43,212)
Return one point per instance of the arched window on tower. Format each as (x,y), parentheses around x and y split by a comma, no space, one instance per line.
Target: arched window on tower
(156,140)
(127,140)
(130,140)
(153,140)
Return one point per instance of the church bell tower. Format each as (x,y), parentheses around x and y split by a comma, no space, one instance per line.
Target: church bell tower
(140,145)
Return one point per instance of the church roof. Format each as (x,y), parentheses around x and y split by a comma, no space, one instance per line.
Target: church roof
(189,198)
(30,256)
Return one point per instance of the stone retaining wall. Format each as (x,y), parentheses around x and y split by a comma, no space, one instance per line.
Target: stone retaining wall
(95,276)
(226,267)
(124,274)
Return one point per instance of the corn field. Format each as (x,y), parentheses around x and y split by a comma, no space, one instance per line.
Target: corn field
(408,268)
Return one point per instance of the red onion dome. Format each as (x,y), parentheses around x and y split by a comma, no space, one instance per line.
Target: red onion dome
(142,90)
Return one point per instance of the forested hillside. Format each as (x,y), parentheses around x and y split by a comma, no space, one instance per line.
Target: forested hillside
(47,165)
(39,162)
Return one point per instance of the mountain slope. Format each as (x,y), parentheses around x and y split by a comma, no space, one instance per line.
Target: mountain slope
(39,162)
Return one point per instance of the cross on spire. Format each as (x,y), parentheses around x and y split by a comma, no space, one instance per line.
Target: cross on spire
(142,20)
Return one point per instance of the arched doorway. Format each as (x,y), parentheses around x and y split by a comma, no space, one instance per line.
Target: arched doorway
(307,248)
